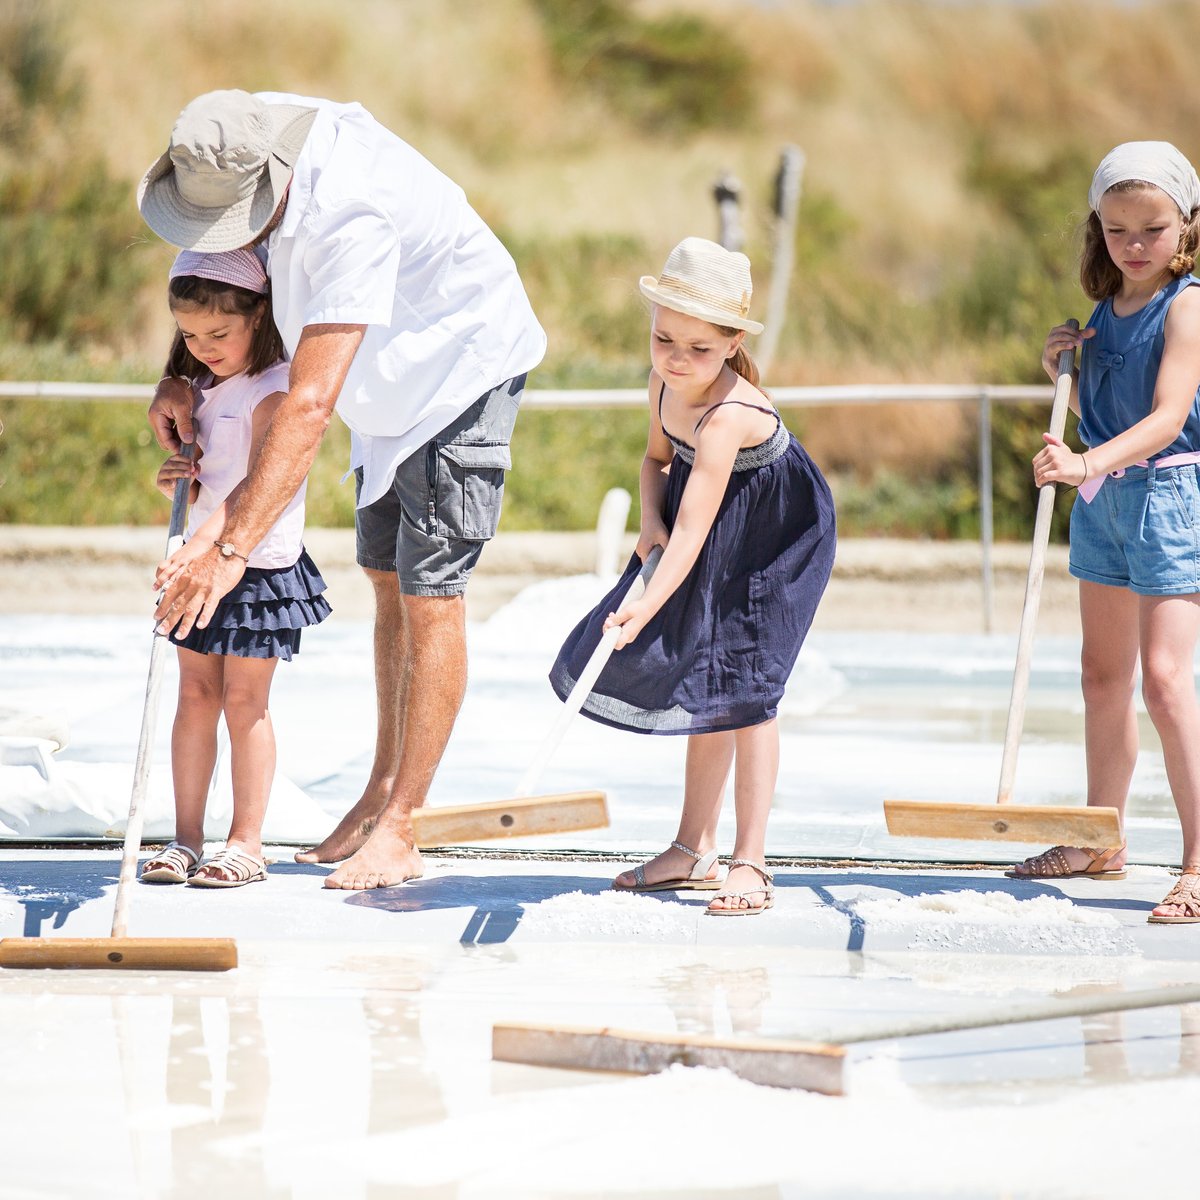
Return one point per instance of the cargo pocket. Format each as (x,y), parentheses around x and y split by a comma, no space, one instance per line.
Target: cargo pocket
(470,488)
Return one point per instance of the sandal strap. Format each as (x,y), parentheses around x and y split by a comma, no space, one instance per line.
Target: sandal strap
(1101,858)
(239,863)
(174,850)
(1185,895)
(748,862)
(704,862)
(1050,864)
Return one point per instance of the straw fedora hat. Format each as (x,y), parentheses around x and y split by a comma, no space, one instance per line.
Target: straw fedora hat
(703,279)
(221,179)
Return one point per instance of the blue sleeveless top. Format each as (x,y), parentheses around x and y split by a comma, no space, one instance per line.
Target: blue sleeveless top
(1118,368)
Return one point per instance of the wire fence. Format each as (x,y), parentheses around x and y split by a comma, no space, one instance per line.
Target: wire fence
(983,397)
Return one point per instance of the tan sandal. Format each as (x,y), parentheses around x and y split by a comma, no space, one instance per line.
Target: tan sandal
(237,868)
(697,881)
(175,863)
(1186,895)
(751,910)
(1053,864)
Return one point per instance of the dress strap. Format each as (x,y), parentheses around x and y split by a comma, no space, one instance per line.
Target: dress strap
(762,408)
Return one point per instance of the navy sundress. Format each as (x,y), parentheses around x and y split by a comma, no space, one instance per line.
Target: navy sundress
(718,654)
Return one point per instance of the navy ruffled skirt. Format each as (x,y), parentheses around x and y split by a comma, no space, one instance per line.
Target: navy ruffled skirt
(265,613)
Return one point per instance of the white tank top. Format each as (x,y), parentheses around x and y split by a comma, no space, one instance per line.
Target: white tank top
(224,426)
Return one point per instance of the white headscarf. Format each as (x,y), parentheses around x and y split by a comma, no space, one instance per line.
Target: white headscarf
(1158,163)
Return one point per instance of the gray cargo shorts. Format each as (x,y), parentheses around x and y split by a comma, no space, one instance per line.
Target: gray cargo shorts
(444,503)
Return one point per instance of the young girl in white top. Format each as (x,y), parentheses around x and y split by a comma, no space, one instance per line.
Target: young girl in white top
(228,348)
(748,529)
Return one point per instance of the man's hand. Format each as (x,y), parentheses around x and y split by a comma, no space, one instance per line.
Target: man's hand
(170,414)
(195,590)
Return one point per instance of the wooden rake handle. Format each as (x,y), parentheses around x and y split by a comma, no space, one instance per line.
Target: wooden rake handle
(141,769)
(587,679)
(1033,585)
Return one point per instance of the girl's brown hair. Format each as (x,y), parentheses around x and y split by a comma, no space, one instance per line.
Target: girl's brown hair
(192,293)
(741,361)
(1100,277)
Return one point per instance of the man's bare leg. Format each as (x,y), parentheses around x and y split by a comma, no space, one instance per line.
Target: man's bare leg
(391,689)
(437,666)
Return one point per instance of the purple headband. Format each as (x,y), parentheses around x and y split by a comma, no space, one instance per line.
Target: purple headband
(239,267)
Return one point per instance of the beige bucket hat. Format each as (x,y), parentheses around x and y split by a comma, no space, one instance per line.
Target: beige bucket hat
(221,179)
(703,279)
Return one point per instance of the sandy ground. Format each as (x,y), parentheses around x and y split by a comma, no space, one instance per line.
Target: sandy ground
(877,583)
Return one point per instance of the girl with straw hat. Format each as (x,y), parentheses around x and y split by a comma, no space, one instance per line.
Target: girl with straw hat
(746,523)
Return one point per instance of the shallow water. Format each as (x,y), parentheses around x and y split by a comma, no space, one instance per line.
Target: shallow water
(356,1071)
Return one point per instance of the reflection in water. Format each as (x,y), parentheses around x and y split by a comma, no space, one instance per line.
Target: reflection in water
(205,1110)
(1109,1039)
(707,999)
(300,1078)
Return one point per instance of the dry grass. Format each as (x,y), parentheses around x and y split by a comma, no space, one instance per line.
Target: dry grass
(889,100)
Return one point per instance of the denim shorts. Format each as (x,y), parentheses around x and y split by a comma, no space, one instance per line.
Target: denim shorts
(444,502)
(1140,532)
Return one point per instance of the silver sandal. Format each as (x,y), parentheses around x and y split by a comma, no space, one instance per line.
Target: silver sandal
(175,863)
(240,866)
(751,910)
(697,881)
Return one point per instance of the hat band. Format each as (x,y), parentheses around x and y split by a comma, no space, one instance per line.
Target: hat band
(692,292)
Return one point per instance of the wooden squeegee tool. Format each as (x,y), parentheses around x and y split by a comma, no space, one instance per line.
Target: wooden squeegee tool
(1070,825)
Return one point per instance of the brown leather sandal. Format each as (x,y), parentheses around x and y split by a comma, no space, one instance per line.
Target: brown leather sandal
(1053,864)
(1186,895)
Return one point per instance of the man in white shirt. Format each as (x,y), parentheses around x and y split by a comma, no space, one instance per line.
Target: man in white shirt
(400,309)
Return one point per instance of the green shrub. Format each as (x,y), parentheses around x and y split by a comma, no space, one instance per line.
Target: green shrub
(892,505)
(69,272)
(675,72)
(66,224)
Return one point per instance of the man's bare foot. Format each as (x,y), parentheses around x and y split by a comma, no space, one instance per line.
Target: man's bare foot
(384,859)
(351,832)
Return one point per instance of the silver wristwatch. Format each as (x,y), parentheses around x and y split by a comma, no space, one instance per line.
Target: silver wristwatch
(229,550)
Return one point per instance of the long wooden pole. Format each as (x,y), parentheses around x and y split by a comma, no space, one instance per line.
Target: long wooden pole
(1033,585)
(585,682)
(145,750)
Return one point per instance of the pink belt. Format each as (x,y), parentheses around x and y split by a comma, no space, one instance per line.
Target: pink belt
(1090,487)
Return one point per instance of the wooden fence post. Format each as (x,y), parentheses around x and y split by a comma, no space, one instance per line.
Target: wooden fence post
(787,202)
(727,192)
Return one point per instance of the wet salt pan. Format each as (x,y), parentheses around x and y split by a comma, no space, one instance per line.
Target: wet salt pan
(999,922)
(640,1136)
(608,914)
(983,908)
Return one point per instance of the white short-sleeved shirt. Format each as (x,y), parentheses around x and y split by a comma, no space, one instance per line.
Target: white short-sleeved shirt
(225,432)
(373,234)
